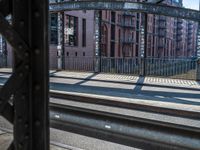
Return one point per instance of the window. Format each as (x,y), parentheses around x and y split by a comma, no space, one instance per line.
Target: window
(71,31)
(53,29)
(84,32)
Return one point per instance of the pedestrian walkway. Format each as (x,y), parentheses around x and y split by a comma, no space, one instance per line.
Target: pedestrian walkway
(120,78)
(129,79)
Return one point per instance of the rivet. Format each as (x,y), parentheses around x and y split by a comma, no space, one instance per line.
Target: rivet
(37,14)
(19,119)
(26,54)
(37,51)
(26,125)
(27,67)
(21,74)
(23,97)
(37,87)
(26,137)
(21,23)
(37,123)
(20,46)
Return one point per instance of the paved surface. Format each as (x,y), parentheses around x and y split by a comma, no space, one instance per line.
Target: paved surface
(61,140)
(124,88)
(122,78)
(6,139)
(128,79)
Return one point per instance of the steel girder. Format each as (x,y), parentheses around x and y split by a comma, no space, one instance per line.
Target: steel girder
(122,129)
(127,6)
(155,1)
(24,97)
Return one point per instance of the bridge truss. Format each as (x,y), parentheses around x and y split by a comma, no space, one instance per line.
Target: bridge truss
(24,97)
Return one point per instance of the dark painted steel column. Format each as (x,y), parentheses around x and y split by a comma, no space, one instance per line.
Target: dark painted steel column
(145,42)
(31,122)
(143,46)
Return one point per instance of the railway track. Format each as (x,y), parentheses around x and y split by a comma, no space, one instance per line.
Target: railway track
(123,129)
(129,131)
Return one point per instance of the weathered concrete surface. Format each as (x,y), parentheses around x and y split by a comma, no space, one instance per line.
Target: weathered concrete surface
(5,140)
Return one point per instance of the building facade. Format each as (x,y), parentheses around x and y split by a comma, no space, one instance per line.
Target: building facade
(121,35)
(167,37)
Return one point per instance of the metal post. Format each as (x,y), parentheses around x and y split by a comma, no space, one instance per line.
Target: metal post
(143,46)
(145,42)
(60,47)
(198,49)
(198,41)
(97,16)
(31,119)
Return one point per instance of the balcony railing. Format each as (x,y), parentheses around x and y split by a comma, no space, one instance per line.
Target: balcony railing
(179,26)
(179,32)
(180,21)
(127,41)
(179,38)
(162,34)
(162,27)
(189,42)
(162,19)
(128,24)
(127,13)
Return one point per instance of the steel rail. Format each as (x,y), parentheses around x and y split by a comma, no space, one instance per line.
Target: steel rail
(126,6)
(110,127)
(122,104)
(125,104)
(155,1)
(126,130)
(127,117)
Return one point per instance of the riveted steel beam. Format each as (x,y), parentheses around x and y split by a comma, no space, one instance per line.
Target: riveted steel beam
(123,130)
(13,38)
(127,6)
(31,122)
(8,89)
(155,1)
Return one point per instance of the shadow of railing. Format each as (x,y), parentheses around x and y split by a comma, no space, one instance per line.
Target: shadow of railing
(136,93)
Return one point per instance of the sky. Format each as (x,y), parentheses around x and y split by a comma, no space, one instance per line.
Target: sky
(193,4)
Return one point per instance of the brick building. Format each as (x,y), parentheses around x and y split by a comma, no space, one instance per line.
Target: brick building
(167,37)
(121,35)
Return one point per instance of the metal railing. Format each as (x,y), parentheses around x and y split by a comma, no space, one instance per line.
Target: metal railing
(121,65)
(158,67)
(3,61)
(172,68)
(80,63)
